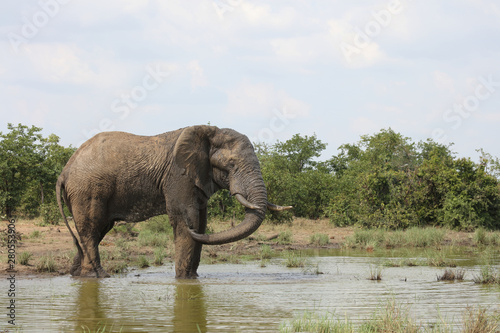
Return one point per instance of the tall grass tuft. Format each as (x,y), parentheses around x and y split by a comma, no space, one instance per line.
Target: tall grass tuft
(478,320)
(46,263)
(285,237)
(452,275)
(294,259)
(159,255)
(25,257)
(312,322)
(392,317)
(375,273)
(319,239)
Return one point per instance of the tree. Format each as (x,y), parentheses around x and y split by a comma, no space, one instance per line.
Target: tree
(29,166)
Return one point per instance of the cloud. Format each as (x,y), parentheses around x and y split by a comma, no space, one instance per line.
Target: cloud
(247,99)
(443,81)
(198,78)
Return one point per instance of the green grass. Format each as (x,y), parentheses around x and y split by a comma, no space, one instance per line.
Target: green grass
(150,238)
(452,275)
(25,257)
(143,262)
(46,264)
(391,317)
(266,252)
(35,234)
(319,239)
(483,237)
(412,237)
(294,259)
(159,255)
(116,267)
(488,275)
(375,273)
(285,237)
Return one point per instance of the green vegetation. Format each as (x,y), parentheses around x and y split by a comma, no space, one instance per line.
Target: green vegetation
(285,237)
(319,239)
(142,262)
(452,275)
(384,181)
(294,259)
(159,255)
(391,317)
(29,167)
(46,263)
(25,257)
(379,238)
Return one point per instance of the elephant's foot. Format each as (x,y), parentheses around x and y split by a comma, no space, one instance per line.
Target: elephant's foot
(99,272)
(186,275)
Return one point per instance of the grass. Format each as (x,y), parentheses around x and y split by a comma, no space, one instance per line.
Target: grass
(375,273)
(25,257)
(150,238)
(390,317)
(35,234)
(159,255)
(143,262)
(46,263)
(488,275)
(412,237)
(294,259)
(319,239)
(266,252)
(116,267)
(452,275)
(483,237)
(285,238)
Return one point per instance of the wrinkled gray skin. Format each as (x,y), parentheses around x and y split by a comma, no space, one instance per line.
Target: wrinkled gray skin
(117,176)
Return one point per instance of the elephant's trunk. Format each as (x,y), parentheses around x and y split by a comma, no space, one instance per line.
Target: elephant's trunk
(251,187)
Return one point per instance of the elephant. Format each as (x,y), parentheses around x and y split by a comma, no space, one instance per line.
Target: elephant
(118,176)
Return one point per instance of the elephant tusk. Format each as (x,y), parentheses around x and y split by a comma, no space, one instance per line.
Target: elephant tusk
(278,208)
(245,202)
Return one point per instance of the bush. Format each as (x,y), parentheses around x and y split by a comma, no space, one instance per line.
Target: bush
(50,213)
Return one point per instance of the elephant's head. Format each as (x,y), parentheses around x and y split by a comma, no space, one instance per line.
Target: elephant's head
(224,159)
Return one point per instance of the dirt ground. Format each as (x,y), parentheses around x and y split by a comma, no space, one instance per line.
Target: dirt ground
(56,242)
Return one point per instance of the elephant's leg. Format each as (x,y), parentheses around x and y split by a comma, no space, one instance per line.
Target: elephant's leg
(187,250)
(92,227)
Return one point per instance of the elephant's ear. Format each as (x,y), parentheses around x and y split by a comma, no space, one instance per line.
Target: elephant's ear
(192,153)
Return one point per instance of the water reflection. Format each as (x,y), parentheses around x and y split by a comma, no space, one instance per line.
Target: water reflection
(89,313)
(190,313)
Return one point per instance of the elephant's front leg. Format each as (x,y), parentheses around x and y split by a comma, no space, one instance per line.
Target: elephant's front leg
(187,250)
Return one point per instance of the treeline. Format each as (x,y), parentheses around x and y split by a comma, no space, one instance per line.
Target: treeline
(385,181)
(29,167)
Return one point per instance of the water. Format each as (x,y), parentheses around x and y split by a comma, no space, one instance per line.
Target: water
(243,297)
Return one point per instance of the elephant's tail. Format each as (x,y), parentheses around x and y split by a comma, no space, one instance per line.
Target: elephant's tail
(59,186)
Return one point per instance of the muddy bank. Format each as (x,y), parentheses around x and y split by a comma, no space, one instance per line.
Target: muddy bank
(49,250)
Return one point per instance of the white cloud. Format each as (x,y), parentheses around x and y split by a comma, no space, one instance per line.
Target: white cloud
(261,99)
(443,81)
(198,78)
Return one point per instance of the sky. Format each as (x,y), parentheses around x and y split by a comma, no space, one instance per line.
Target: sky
(268,69)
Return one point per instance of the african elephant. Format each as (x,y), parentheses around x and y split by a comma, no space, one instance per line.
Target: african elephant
(117,176)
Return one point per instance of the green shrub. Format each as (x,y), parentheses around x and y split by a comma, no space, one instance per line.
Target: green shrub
(158,224)
(50,213)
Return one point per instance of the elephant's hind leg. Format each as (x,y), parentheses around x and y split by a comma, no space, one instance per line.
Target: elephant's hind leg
(92,227)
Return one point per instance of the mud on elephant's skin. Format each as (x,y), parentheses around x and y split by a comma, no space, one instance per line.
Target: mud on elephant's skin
(117,176)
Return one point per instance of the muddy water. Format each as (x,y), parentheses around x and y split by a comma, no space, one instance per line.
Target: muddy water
(243,297)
